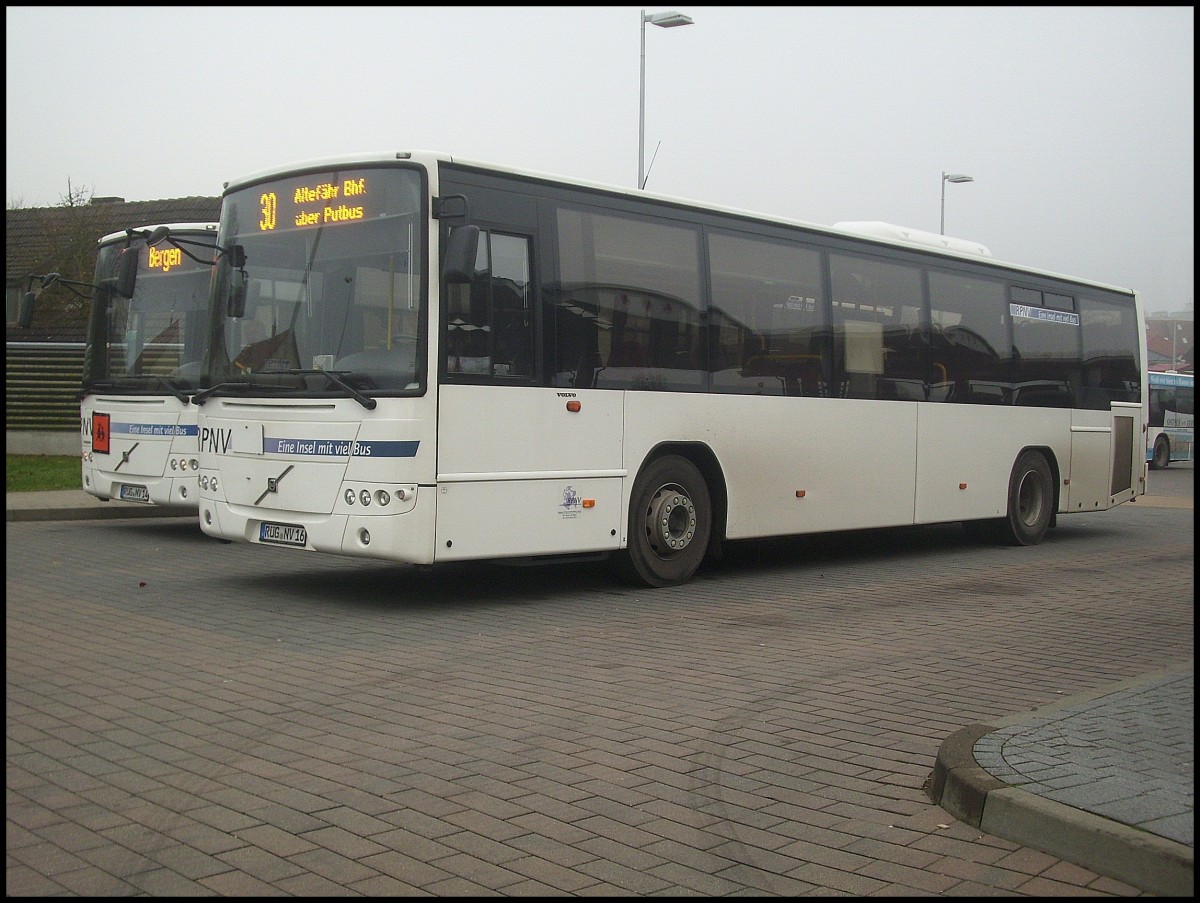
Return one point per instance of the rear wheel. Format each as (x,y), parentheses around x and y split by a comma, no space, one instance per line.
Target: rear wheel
(1030,506)
(670,521)
(1030,500)
(1162,453)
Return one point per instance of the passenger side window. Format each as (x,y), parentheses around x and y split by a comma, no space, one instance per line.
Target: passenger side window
(1111,371)
(627,309)
(969,340)
(768,320)
(489,324)
(1047,370)
(877,329)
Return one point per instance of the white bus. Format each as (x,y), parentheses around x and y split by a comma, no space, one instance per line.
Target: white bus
(145,337)
(464,361)
(1171,423)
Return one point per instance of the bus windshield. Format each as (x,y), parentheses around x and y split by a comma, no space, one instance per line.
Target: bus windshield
(333,283)
(135,344)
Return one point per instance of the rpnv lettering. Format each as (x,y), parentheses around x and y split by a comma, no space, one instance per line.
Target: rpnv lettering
(216,441)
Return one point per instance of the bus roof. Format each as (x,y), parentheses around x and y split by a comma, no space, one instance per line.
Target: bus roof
(876,232)
(916,236)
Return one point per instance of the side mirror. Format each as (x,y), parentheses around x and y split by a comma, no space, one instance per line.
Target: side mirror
(462,246)
(125,275)
(157,235)
(236,307)
(25,311)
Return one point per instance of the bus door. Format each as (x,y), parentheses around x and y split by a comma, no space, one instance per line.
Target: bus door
(522,466)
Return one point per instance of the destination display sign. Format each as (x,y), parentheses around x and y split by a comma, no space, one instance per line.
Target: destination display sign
(319,199)
(167,258)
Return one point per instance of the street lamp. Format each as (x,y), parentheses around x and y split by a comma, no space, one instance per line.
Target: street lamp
(955,177)
(662,20)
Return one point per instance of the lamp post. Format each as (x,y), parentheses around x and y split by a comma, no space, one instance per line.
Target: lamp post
(955,177)
(1174,332)
(662,20)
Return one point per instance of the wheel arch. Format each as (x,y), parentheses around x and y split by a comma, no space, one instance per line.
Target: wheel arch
(1161,439)
(1056,478)
(705,460)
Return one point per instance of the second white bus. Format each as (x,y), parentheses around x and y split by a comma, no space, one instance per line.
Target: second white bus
(142,362)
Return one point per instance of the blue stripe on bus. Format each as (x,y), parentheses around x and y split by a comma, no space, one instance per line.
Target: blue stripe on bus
(153,429)
(341,448)
(1158,378)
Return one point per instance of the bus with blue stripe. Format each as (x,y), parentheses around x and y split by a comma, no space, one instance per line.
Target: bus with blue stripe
(1171,421)
(142,362)
(463,361)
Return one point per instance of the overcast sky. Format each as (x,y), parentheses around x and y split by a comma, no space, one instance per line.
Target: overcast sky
(1077,123)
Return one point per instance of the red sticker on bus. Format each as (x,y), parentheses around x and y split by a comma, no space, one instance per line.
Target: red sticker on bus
(100,436)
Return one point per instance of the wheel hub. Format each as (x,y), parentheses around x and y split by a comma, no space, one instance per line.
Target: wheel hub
(1030,500)
(671,520)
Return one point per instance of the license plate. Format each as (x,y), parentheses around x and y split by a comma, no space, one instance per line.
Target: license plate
(283,534)
(132,493)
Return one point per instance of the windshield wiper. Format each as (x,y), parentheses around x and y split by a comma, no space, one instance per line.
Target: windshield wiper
(202,396)
(365,400)
(111,385)
(175,390)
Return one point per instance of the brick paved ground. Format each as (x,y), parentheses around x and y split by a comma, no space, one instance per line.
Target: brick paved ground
(188,717)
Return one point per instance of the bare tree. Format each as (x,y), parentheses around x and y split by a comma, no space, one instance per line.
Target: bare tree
(69,233)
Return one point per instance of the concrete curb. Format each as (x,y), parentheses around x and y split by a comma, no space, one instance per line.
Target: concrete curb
(968,792)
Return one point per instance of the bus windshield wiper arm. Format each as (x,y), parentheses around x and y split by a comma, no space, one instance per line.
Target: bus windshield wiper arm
(365,400)
(175,390)
(200,397)
(111,385)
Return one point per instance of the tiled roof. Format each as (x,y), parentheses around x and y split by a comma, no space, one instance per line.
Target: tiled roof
(63,240)
(30,232)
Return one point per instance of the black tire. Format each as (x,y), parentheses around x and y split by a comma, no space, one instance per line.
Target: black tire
(1162,454)
(1030,500)
(670,522)
(1030,506)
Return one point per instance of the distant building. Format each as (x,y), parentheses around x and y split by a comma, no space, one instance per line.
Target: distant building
(1170,342)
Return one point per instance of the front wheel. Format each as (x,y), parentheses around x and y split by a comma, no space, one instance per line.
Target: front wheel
(1162,453)
(670,522)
